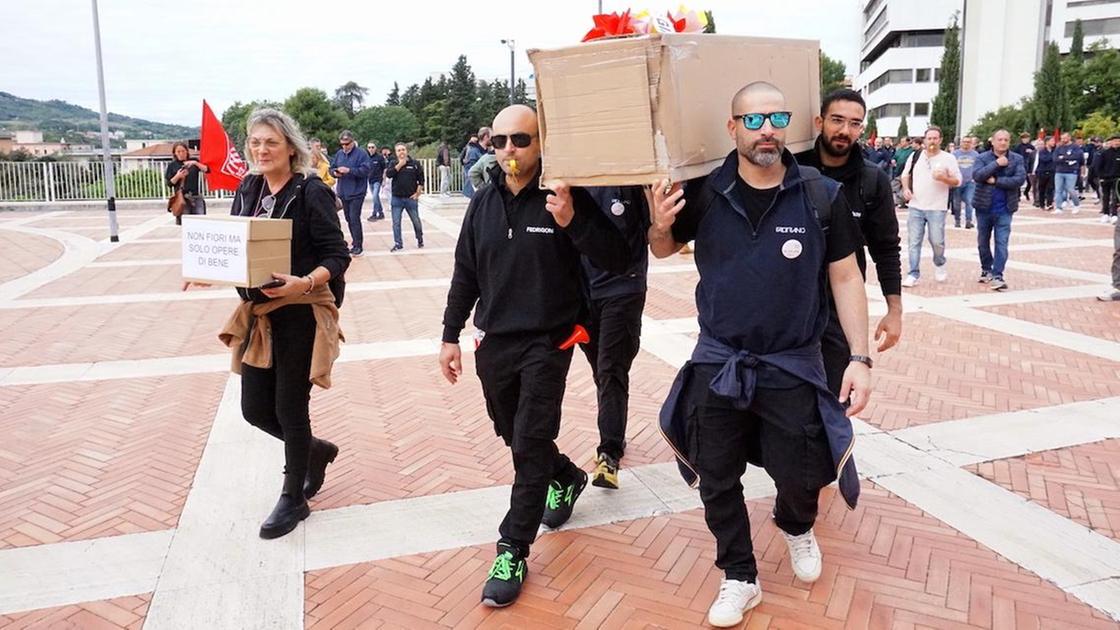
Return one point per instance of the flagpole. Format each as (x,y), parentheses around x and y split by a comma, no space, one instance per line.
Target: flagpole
(107,159)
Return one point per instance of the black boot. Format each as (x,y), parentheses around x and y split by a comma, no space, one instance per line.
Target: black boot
(507,575)
(289,511)
(322,453)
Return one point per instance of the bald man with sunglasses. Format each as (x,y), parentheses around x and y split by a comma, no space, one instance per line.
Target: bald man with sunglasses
(518,266)
(772,238)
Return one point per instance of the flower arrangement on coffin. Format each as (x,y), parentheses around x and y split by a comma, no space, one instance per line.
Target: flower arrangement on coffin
(683,20)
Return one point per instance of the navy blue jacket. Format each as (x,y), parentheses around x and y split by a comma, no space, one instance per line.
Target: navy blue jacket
(626,207)
(1009,179)
(753,319)
(376,167)
(352,184)
(1045,161)
(1068,159)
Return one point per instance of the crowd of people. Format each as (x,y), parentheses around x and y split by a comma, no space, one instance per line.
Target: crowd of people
(771,381)
(985,181)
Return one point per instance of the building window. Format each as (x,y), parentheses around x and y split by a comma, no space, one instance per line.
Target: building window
(921,109)
(1103,26)
(1089,3)
(870,11)
(922,75)
(892,110)
(937,75)
(921,40)
(875,27)
(905,75)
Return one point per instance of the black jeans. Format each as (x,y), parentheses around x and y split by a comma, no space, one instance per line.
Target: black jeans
(1109,197)
(275,400)
(615,328)
(784,429)
(353,209)
(523,379)
(1044,190)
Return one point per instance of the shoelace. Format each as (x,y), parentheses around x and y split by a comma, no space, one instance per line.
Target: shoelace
(502,569)
(801,544)
(556,494)
(727,590)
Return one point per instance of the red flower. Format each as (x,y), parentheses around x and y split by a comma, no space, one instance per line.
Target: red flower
(610,25)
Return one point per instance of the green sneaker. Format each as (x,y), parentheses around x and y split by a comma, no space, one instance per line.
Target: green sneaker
(561,500)
(507,574)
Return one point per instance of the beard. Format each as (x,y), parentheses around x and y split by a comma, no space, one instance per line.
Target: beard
(764,157)
(833,150)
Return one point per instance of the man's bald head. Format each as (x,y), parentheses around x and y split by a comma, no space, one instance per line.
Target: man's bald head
(515,119)
(752,93)
(521,121)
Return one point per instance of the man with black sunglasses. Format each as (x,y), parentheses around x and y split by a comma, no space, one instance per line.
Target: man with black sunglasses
(772,238)
(517,264)
(867,188)
(350,167)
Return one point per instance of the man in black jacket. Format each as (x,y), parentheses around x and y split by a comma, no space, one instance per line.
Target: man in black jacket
(868,192)
(517,264)
(377,164)
(1026,151)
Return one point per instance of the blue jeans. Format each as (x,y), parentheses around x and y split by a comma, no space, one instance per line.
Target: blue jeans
(1065,188)
(916,224)
(964,193)
(986,223)
(378,211)
(468,188)
(413,208)
(353,209)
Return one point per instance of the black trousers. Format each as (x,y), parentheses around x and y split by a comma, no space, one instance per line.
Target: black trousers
(1044,190)
(615,328)
(1109,197)
(784,429)
(275,400)
(1030,181)
(352,206)
(523,379)
(836,353)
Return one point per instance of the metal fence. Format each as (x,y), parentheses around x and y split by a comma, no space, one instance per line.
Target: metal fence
(133,179)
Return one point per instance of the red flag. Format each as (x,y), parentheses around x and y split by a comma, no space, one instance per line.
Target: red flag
(871,139)
(218,153)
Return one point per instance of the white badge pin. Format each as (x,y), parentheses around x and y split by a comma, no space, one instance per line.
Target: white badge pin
(791,249)
(618,208)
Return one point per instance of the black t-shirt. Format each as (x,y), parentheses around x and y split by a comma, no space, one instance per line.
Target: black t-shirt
(408,179)
(843,238)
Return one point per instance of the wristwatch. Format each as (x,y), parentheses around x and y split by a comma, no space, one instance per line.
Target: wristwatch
(866,360)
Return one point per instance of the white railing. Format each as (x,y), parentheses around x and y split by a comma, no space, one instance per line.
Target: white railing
(134,179)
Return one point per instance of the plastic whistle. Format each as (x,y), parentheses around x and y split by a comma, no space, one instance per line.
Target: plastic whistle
(579,335)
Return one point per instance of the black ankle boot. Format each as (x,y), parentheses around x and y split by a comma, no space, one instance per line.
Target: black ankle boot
(322,453)
(289,511)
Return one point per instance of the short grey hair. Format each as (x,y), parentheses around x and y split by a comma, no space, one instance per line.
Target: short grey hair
(285,126)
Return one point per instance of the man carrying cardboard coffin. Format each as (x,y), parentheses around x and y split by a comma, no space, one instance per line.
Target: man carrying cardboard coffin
(517,264)
(867,189)
(616,303)
(772,237)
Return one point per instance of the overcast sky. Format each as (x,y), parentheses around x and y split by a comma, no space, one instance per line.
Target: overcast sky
(162,57)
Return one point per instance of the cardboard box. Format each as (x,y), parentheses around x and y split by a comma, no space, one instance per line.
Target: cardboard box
(639,109)
(237,251)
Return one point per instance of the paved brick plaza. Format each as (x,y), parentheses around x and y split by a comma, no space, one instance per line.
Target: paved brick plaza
(131,490)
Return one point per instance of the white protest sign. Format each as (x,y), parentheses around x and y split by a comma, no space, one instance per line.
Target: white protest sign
(215,250)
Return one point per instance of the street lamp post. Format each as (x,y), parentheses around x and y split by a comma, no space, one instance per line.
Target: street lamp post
(510,43)
(107,159)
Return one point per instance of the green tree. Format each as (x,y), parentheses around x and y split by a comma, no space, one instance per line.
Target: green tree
(944,110)
(1077,45)
(1101,81)
(832,74)
(903,127)
(235,117)
(394,97)
(1014,118)
(1099,124)
(316,114)
(462,108)
(350,96)
(1051,106)
(386,125)
(410,100)
(433,122)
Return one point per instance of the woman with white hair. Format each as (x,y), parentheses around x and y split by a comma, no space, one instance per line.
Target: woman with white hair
(285,334)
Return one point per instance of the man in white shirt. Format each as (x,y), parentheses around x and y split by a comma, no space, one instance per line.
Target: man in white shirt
(926,180)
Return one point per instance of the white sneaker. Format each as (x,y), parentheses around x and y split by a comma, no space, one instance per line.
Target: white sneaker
(735,598)
(1057,211)
(1103,219)
(909,281)
(1075,210)
(940,273)
(804,555)
(1110,296)
(1114,219)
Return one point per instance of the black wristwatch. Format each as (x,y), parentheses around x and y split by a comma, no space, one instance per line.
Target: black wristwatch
(866,360)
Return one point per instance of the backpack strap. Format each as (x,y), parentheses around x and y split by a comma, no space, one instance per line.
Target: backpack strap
(820,197)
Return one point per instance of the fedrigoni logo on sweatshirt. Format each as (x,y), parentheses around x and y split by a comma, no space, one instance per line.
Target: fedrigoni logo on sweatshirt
(532,229)
(785,229)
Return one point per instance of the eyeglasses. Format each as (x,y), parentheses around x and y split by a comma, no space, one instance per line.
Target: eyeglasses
(754,121)
(519,140)
(841,121)
(371,147)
